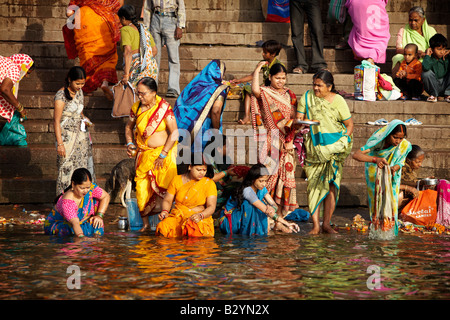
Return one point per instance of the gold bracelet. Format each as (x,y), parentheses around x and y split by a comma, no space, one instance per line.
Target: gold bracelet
(19,108)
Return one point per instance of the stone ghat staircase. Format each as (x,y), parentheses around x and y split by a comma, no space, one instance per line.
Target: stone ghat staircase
(226,30)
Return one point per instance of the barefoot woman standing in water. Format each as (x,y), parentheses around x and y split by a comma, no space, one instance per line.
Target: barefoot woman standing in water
(155,135)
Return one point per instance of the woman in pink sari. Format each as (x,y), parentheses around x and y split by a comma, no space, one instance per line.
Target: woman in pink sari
(370,33)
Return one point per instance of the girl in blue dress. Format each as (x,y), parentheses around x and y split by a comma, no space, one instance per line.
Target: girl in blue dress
(248,209)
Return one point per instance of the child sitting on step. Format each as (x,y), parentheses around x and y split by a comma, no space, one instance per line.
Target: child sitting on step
(408,77)
(271,49)
(435,69)
(408,182)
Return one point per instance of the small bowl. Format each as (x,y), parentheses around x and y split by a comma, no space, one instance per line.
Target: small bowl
(429,182)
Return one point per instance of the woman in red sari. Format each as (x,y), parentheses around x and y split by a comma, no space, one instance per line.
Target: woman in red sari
(92,36)
(273,110)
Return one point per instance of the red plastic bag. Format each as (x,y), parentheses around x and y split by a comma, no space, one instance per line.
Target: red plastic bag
(421,210)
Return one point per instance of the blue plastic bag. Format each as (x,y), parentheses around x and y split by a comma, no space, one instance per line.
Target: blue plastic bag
(13,133)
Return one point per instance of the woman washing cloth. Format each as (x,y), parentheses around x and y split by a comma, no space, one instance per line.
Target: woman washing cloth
(80,209)
(386,146)
(248,210)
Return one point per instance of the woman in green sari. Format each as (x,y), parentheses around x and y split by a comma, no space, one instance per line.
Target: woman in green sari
(416,31)
(327,146)
(386,146)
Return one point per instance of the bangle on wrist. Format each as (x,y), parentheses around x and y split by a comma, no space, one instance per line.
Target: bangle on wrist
(225,173)
(374,159)
(130,143)
(275,217)
(202,216)
(80,235)
(19,107)
(162,156)
(100,214)
(60,144)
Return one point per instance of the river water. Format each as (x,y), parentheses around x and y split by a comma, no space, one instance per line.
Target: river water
(127,265)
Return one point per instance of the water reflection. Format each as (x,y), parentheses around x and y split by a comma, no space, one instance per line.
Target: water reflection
(128,265)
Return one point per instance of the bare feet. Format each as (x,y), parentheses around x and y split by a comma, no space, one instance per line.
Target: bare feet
(107,91)
(145,228)
(328,229)
(315,230)
(246,120)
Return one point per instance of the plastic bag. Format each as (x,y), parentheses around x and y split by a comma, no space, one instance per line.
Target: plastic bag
(421,210)
(13,133)
(443,206)
(366,81)
(278,11)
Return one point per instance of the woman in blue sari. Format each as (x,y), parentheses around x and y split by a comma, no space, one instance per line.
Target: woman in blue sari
(79,210)
(248,210)
(386,146)
(200,105)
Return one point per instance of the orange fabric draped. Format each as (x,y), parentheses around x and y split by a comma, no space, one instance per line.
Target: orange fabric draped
(95,41)
(188,196)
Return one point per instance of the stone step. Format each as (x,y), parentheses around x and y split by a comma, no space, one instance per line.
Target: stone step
(40,105)
(219,10)
(110,130)
(40,159)
(42,190)
(238,59)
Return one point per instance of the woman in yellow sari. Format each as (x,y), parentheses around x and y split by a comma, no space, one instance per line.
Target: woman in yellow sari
(195,196)
(92,35)
(156,134)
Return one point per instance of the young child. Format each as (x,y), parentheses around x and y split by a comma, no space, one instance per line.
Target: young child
(408,77)
(408,180)
(435,69)
(271,49)
(248,210)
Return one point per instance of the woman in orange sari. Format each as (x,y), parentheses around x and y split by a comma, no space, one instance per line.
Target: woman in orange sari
(195,196)
(92,36)
(155,134)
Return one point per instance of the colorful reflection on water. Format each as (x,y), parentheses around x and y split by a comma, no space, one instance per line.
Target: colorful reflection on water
(127,265)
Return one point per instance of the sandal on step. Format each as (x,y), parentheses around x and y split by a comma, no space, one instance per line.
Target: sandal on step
(379,122)
(413,122)
(431,99)
(298,70)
